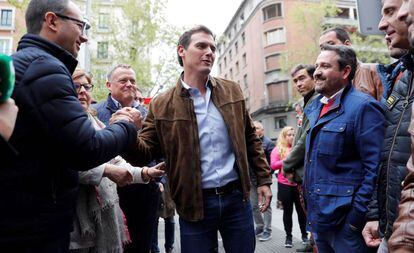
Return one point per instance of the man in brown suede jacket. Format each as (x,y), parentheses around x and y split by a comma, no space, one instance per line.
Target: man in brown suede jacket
(202,128)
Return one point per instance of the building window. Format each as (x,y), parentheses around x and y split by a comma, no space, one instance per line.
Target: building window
(275,36)
(6,18)
(237,67)
(236,47)
(280,122)
(230,55)
(231,74)
(272,62)
(6,46)
(102,50)
(220,70)
(244,59)
(103,21)
(343,13)
(243,38)
(272,11)
(225,62)
(245,82)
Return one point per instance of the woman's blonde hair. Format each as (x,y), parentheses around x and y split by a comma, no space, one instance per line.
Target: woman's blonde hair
(78,73)
(281,143)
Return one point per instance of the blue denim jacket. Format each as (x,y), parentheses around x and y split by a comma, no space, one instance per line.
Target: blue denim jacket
(342,157)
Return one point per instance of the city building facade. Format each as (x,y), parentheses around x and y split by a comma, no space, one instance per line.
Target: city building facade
(12,27)
(253,48)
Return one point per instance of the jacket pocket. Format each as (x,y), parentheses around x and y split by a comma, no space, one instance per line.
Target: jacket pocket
(332,139)
(334,203)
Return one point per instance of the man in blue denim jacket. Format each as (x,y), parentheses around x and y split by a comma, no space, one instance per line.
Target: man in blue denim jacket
(343,148)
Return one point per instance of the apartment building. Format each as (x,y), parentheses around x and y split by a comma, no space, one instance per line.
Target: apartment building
(250,53)
(12,27)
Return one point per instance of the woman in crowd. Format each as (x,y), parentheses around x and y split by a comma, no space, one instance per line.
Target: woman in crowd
(99,225)
(287,191)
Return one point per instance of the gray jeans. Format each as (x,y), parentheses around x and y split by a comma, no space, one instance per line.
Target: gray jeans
(383,248)
(262,221)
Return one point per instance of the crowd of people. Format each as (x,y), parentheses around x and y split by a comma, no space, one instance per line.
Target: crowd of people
(83,177)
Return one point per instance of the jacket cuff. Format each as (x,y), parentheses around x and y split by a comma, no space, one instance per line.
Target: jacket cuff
(356,218)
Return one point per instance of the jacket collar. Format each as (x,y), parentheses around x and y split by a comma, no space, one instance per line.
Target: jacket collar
(33,40)
(335,110)
(110,105)
(182,91)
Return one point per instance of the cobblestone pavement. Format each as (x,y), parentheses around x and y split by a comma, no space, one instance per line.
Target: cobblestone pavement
(274,245)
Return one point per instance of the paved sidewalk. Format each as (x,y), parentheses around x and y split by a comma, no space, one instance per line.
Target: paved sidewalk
(274,245)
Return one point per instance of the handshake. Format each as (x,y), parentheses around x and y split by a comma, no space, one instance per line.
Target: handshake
(127,114)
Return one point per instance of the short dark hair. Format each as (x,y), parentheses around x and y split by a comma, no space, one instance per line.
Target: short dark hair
(36,10)
(340,32)
(310,69)
(185,38)
(346,57)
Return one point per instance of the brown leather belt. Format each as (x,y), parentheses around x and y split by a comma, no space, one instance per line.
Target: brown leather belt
(223,190)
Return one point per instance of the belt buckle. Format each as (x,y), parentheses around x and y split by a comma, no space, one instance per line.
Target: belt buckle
(219,191)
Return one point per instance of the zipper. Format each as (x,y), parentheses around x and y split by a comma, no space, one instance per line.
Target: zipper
(404,107)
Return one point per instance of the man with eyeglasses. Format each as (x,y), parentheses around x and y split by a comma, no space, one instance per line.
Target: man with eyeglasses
(53,134)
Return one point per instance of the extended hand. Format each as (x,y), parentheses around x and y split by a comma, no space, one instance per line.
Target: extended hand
(119,175)
(264,192)
(135,116)
(371,235)
(129,114)
(8,115)
(157,170)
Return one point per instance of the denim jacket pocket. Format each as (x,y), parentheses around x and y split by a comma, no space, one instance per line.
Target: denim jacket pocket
(332,139)
(334,202)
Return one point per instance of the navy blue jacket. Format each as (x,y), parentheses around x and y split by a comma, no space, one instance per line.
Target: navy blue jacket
(342,156)
(53,135)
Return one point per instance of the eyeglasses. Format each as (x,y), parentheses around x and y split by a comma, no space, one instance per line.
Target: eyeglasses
(83,25)
(87,86)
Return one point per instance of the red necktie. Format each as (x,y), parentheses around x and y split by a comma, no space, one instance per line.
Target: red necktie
(326,107)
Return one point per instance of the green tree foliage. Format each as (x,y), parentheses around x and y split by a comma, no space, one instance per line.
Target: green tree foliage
(309,20)
(20,4)
(306,21)
(133,38)
(370,48)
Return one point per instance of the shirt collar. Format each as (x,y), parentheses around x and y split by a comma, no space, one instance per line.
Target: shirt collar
(189,88)
(325,100)
(119,106)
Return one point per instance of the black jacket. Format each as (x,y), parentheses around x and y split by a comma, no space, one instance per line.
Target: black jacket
(395,154)
(7,153)
(54,138)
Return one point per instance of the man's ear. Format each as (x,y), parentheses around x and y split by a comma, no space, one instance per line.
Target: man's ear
(348,43)
(51,21)
(346,72)
(180,50)
(108,85)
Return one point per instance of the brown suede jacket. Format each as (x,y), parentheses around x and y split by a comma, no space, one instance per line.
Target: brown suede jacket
(402,238)
(367,80)
(170,130)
